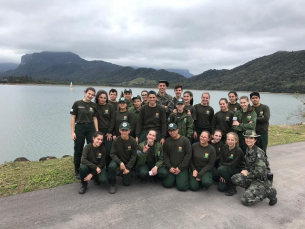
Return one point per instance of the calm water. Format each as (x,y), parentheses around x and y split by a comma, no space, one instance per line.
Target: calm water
(35,120)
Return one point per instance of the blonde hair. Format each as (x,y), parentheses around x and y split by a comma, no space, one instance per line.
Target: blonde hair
(207,93)
(235,136)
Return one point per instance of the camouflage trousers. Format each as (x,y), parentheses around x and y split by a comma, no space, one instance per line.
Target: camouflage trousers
(256,191)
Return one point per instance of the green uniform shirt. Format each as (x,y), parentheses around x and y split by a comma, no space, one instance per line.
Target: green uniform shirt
(135,113)
(203,158)
(184,122)
(218,146)
(262,121)
(120,117)
(244,119)
(94,157)
(114,104)
(105,118)
(83,111)
(233,158)
(124,151)
(192,109)
(234,107)
(152,118)
(222,121)
(129,104)
(204,116)
(177,153)
(158,154)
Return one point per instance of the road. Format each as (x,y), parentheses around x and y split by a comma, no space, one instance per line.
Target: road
(152,206)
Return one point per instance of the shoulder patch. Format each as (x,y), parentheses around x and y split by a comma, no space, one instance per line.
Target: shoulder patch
(259,155)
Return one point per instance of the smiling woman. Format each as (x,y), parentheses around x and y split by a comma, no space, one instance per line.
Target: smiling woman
(83,124)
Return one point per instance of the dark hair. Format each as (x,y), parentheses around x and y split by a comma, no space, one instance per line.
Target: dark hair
(217,131)
(235,93)
(190,94)
(89,89)
(250,109)
(255,93)
(97,133)
(178,86)
(100,92)
(209,134)
(113,91)
(144,91)
(224,100)
(156,132)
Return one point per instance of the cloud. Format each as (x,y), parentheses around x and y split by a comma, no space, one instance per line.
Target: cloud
(196,35)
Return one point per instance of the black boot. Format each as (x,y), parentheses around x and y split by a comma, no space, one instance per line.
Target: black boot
(231,191)
(96,182)
(112,187)
(83,188)
(76,167)
(272,197)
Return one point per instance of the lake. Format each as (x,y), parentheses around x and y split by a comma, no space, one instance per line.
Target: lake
(35,119)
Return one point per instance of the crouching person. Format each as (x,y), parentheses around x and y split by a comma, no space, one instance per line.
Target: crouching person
(177,155)
(256,178)
(93,163)
(124,155)
(150,158)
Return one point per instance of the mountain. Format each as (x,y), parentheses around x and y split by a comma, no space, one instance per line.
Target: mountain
(279,72)
(67,66)
(184,72)
(7,66)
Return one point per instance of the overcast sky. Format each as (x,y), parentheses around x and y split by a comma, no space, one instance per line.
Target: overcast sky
(194,35)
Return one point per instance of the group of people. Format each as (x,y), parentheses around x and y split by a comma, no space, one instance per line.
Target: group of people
(156,136)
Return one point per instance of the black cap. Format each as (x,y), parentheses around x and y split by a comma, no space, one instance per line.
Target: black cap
(152,92)
(128,90)
(164,81)
(137,97)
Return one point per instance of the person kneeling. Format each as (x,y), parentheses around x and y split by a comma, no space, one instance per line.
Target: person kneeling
(202,163)
(256,178)
(177,155)
(150,158)
(124,155)
(93,162)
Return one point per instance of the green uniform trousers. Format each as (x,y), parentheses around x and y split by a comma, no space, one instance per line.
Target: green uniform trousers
(144,169)
(83,132)
(226,172)
(181,180)
(84,170)
(143,136)
(263,141)
(206,181)
(108,145)
(113,166)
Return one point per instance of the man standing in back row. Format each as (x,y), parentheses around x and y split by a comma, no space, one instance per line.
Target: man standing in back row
(262,121)
(165,99)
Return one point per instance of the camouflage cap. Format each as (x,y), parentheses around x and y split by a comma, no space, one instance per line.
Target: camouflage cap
(124,126)
(251,134)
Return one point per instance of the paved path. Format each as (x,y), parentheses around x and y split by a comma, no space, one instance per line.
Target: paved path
(151,205)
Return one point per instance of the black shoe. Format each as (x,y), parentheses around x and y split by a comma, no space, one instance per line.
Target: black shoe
(96,182)
(82,189)
(272,197)
(112,187)
(152,179)
(231,191)
(77,176)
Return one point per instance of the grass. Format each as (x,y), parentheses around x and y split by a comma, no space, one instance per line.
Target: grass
(21,177)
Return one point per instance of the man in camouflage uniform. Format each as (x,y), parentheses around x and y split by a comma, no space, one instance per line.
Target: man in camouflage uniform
(256,178)
(164,99)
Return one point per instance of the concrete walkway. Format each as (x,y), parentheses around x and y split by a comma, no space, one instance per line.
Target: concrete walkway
(152,206)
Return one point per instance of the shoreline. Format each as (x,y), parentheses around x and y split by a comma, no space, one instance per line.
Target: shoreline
(88,85)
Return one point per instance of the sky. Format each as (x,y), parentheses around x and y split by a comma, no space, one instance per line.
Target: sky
(194,35)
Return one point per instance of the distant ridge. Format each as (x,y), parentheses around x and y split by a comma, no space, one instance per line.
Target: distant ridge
(279,72)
